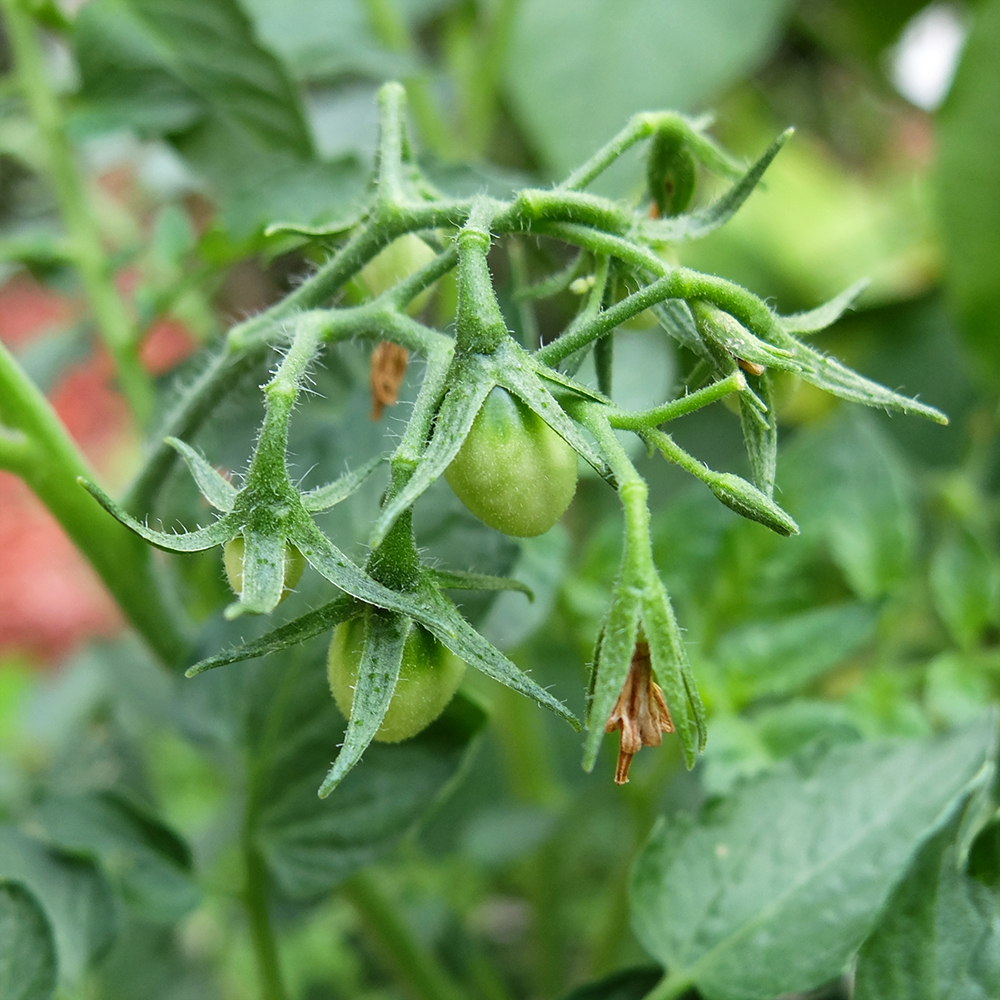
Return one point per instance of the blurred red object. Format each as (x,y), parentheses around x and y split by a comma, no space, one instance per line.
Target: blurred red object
(50,599)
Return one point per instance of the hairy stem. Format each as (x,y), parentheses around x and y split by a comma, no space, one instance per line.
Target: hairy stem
(419,969)
(43,454)
(116,327)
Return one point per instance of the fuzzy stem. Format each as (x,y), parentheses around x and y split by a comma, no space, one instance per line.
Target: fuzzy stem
(420,970)
(637,420)
(46,458)
(86,249)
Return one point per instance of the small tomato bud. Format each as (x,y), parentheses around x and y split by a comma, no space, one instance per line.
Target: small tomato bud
(232,559)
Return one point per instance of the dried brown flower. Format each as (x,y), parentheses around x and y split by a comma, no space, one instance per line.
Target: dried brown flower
(640,712)
(388,368)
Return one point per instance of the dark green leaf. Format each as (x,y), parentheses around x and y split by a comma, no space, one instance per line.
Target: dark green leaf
(150,863)
(629,984)
(968,187)
(27,948)
(74,895)
(198,57)
(275,722)
(933,925)
(773,888)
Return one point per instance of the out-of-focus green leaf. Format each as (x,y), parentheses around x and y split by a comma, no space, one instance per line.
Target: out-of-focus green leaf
(575,76)
(968,187)
(847,482)
(27,950)
(276,720)
(773,888)
(629,984)
(957,685)
(74,895)
(780,657)
(932,928)
(965,584)
(147,859)
(198,59)
(256,186)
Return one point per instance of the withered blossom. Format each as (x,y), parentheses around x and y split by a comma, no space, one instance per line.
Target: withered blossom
(388,368)
(640,712)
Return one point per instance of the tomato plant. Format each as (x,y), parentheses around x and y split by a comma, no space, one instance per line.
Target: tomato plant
(534,400)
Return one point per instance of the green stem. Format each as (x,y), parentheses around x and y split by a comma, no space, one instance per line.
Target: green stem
(419,969)
(636,420)
(392,31)
(265,948)
(670,987)
(85,244)
(50,463)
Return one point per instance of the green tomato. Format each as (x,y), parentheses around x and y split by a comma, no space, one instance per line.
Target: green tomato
(429,676)
(232,559)
(513,471)
(397,261)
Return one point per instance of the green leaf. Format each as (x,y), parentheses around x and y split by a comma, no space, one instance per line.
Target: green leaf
(825,315)
(203,57)
(74,895)
(847,482)
(777,658)
(275,723)
(933,925)
(564,69)
(968,187)
(628,984)
(965,585)
(27,949)
(150,863)
(773,888)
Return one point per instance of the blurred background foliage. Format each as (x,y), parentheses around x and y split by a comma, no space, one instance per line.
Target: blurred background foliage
(197,124)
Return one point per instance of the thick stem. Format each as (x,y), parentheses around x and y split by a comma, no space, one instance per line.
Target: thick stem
(86,249)
(265,948)
(670,987)
(50,463)
(419,969)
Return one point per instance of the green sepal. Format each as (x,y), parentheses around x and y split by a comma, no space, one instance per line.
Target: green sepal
(831,376)
(720,328)
(457,580)
(612,659)
(185,541)
(263,573)
(214,487)
(825,315)
(671,170)
(701,223)
(385,637)
(292,634)
(749,502)
(325,497)
(672,670)
(462,402)
(760,436)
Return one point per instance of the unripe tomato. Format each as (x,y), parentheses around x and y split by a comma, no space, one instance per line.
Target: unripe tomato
(398,260)
(429,676)
(232,559)
(513,471)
